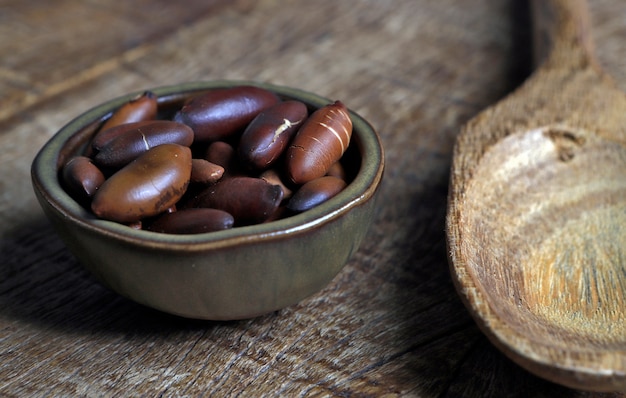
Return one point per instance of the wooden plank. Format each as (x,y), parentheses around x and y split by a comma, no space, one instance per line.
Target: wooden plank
(390,324)
(51,47)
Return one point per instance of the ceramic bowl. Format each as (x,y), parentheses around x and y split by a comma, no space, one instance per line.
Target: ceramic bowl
(232,274)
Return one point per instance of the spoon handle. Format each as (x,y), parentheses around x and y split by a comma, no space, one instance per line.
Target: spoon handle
(562,34)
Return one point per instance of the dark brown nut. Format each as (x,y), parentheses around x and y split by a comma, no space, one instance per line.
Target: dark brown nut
(205,172)
(273,177)
(281,212)
(104,136)
(82,178)
(315,192)
(138,138)
(319,143)
(218,114)
(268,134)
(147,186)
(250,200)
(192,221)
(223,154)
(142,107)
(337,170)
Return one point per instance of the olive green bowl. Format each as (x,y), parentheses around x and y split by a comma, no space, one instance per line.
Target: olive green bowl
(233,274)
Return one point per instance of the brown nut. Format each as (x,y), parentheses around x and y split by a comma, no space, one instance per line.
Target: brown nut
(315,192)
(223,154)
(192,221)
(279,213)
(273,177)
(219,113)
(319,143)
(137,138)
(337,170)
(104,136)
(142,107)
(82,178)
(147,186)
(268,134)
(205,172)
(250,200)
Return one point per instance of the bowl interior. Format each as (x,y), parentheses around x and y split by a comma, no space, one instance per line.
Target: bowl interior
(363,161)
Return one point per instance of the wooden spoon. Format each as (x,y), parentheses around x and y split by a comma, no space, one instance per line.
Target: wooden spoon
(536,224)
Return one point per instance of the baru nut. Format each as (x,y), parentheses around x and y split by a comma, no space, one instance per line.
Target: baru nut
(228,157)
(320,143)
(147,186)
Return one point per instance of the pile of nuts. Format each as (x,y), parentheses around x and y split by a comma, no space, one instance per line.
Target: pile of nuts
(228,157)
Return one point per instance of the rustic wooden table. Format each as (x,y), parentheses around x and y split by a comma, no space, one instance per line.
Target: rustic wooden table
(390,324)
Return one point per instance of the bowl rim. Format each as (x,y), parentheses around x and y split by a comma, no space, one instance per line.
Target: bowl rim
(44,174)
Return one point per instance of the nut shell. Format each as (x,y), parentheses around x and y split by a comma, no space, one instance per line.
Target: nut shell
(315,192)
(142,107)
(146,187)
(218,114)
(250,200)
(319,143)
(267,136)
(82,177)
(192,221)
(132,139)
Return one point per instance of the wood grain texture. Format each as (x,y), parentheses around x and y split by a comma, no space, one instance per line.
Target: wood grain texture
(390,324)
(537,202)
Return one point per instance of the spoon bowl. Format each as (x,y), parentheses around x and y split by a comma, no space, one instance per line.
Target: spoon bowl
(537,209)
